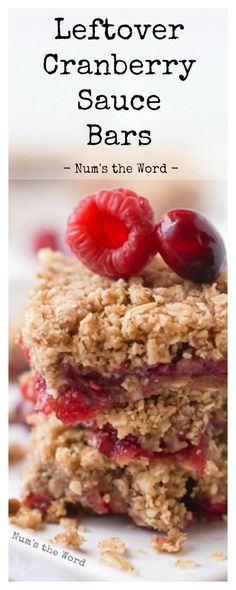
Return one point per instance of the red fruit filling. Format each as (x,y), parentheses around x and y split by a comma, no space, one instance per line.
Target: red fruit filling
(44,403)
(203,505)
(87,393)
(25,350)
(39,501)
(128,448)
(45,239)
(94,499)
(28,389)
(112,233)
(190,245)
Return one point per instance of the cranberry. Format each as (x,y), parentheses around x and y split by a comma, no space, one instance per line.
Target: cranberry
(190,245)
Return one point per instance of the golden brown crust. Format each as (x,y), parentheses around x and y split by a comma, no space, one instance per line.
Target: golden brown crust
(77,317)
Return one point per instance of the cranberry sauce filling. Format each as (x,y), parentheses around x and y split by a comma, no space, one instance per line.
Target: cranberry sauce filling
(125,449)
(39,501)
(86,392)
(202,504)
(26,351)
(179,367)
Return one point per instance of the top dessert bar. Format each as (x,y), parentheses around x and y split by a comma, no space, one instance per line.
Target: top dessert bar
(81,320)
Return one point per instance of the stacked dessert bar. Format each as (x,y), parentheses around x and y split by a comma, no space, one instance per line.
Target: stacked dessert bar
(129,382)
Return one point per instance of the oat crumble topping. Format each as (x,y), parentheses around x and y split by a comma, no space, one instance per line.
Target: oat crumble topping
(76,317)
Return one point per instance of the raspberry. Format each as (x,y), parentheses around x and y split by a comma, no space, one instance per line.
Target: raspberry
(112,233)
(45,239)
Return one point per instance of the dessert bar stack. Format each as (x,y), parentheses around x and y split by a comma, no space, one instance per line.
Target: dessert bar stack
(129,383)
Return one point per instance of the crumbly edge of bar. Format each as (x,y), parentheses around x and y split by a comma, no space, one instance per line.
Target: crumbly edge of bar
(150,493)
(181,413)
(17,362)
(79,318)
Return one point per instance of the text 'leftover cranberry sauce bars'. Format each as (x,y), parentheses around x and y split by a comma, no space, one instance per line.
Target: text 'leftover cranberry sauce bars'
(129,381)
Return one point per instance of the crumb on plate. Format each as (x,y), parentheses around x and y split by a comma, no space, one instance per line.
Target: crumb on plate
(116,560)
(186,564)
(218,555)
(170,543)
(112,544)
(70,538)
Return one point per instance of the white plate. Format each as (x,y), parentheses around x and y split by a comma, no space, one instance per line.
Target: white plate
(28,563)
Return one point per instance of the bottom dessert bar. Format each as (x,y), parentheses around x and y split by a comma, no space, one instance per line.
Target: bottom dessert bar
(66,473)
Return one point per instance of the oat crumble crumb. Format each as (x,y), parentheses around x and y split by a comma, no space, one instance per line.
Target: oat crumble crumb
(56,511)
(116,560)
(70,538)
(27,518)
(112,544)
(218,555)
(186,564)
(16,452)
(13,506)
(170,543)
